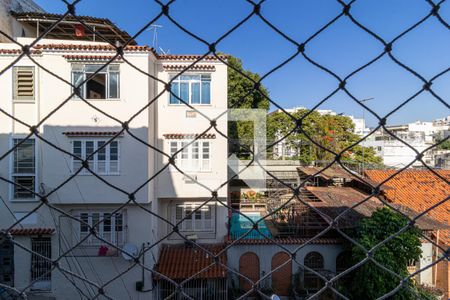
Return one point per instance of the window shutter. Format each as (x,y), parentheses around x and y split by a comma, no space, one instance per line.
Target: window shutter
(24,83)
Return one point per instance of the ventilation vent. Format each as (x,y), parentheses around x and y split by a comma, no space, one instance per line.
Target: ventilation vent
(24,83)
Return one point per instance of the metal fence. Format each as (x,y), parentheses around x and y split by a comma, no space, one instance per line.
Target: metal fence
(324,283)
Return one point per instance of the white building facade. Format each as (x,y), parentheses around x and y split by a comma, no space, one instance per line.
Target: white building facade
(129,184)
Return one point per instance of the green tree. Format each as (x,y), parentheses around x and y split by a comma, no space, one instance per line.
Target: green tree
(242,94)
(370,281)
(333,132)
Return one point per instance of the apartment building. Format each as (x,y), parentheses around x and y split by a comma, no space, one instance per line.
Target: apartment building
(419,135)
(130,188)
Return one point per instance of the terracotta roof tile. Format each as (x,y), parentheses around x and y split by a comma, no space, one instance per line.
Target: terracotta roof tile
(180,262)
(336,200)
(180,136)
(17,51)
(189,57)
(418,190)
(32,231)
(91,47)
(91,133)
(286,241)
(192,68)
(90,57)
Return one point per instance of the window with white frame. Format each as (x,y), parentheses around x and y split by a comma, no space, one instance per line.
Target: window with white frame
(102,85)
(110,227)
(193,89)
(24,168)
(193,157)
(200,220)
(104,162)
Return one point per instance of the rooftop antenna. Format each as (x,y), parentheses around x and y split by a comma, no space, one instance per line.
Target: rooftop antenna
(155,27)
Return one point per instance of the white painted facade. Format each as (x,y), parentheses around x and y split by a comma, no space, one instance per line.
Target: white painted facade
(75,121)
(420,135)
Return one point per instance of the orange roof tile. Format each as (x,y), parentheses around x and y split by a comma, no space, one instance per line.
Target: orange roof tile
(180,262)
(418,190)
(32,231)
(191,68)
(91,57)
(180,136)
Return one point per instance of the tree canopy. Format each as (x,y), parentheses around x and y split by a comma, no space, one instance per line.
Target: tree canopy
(333,132)
(369,281)
(243,94)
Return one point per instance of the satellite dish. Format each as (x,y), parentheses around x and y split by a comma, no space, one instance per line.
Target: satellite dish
(274,297)
(129,251)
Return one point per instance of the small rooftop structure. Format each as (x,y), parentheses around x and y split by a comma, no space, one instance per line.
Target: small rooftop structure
(70,28)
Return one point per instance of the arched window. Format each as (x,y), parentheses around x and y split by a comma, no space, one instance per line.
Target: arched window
(249,267)
(281,278)
(313,260)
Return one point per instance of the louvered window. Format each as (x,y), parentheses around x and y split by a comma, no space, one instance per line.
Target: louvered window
(24,83)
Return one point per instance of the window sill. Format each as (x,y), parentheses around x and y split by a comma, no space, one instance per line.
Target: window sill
(99,174)
(24,101)
(185,105)
(23,200)
(189,172)
(98,100)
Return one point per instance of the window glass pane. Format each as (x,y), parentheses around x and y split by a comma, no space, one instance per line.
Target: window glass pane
(94,68)
(184,91)
(106,222)
(77,79)
(119,222)
(195,96)
(77,150)
(188,219)
(89,151)
(24,157)
(114,157)
(114,85)
(206,92)
(95,219)
(27,183)
(101,157)
(195,150)
(205,150)
(84,228)
(178,212)
(176,90)
(113,68)
(96,86)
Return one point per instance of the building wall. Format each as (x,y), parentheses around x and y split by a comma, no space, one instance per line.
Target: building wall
(83,191)
(266,253)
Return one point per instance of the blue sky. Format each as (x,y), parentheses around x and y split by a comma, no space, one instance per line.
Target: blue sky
(342,48)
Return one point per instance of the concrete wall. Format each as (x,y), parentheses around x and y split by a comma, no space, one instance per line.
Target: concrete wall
(266,252)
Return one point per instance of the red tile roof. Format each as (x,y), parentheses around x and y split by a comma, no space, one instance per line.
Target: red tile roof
(418,190)
(91,47)
(189,57)
(90,57)
(17,51)
(32,231)
(91,133)
(337,199)
(180,262)
(180,136)
(192,68)
(287,241)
